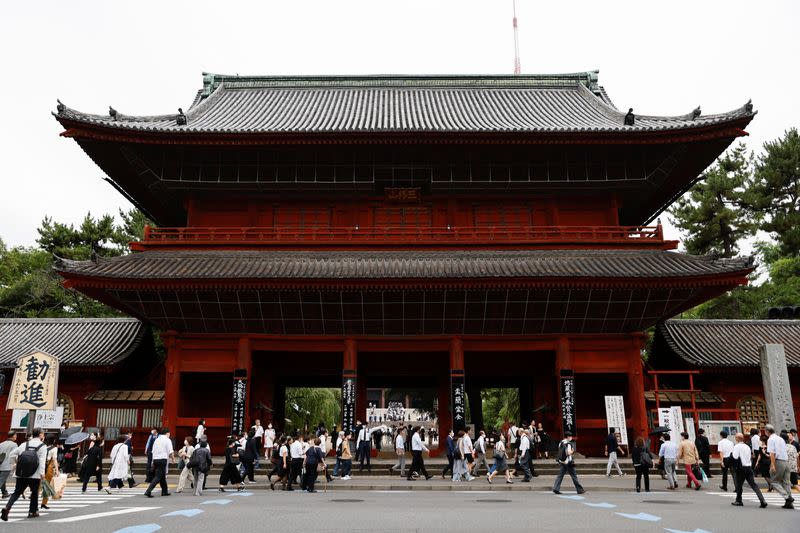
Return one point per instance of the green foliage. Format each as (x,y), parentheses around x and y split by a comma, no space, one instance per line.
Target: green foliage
(711,214)
(499,405)
(774,192)
(306,407)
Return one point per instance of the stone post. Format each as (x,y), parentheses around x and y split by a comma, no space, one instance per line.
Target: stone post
(777,393)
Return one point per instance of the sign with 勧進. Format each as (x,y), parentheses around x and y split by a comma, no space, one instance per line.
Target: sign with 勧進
(35,383)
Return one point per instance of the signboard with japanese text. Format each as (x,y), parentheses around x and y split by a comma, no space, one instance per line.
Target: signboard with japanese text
(567,402)
(49,419)
(238,408)
(689,426)
(615,418)
(35,383)
(348,403)
(672,418)
(459,399)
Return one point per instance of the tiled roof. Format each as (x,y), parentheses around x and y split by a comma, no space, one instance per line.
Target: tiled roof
(194,264)
(126,396)
(75,341)
(730,343)
(459,104)
(683,397)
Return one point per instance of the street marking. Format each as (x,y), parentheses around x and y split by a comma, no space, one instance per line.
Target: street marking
(602,505)
(184,512)
(144,528)
(216,502)
(124,510)
(681,531)
(641,516)
(575,497)
(241,494)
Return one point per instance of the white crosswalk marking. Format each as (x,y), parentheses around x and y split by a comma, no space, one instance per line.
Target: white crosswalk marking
(73,499)
(748,497)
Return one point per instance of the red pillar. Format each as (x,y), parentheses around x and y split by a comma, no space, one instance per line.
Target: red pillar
(244,360)
(636,387)
(172,381)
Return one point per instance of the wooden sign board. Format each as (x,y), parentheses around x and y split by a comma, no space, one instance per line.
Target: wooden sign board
(35,383)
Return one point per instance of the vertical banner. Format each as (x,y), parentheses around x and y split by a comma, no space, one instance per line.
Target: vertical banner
(239,399)
(348,403)
(567,401)
(690,428)
(458,399)
(615,418)
(672,418)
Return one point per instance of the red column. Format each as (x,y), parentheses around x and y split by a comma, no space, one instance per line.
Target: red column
(636,401)
(244,360)
(172,381)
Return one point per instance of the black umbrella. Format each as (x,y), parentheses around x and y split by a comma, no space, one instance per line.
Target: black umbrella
(659,430)
(76,438)
(69,431)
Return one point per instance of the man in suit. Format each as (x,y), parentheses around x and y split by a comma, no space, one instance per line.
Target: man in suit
(704,450)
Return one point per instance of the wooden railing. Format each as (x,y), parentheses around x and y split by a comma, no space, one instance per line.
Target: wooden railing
(648,236)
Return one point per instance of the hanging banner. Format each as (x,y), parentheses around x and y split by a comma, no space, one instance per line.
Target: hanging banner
(50,419)
(689,425)
(239,402)
(35,383)
(458,398)
(615,418)
(348,403)
(567,401)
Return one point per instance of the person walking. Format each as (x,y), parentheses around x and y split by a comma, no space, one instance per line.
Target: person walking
(284,462)
(148,452)
(468,454)
(792,455)
(459,463)
(296,451)
(119,465)
(762,462)
(779,466)
(480,454)
(129,444)
(755,442)
(451,454)
(313,463)
(250,455)
(347,456)
(201,430)
(200,463)
(687,453)
(162,453)
(50,471)
(704,451)
(641,463)
(612,448)
(364,447)
(92,466)
(31,461)
(500,462)
(669,456)
(7,448)
(566,449)
(417,462)
(185,453)
(400,452)
(725,448)
(258,433)
(544,445)
(742,461)
(230,471)
(524,451)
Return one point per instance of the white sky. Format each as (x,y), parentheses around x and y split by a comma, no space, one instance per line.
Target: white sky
(146,57)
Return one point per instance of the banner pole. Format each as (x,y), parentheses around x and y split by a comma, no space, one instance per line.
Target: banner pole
(31,422)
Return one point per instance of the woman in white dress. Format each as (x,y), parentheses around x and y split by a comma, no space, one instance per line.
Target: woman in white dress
(119,464)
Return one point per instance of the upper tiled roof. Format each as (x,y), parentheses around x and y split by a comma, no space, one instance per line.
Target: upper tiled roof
(232,264)
(458,104)
(730,343)
(75,341)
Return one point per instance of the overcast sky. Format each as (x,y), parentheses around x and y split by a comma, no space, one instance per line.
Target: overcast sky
(146,57)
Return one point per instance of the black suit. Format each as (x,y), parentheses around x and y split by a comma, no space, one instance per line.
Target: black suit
(704,451)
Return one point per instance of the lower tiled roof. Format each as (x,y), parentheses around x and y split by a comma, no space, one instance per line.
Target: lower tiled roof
(683,397)
(730,343)
(126,396)
(251,265)
(75,341)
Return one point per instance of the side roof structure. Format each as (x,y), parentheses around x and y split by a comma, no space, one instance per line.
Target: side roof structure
(75,341)
(726,343)
(536,103)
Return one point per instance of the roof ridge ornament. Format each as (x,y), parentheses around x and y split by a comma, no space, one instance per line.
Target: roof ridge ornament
(748,107)
(112,113)
(60,107)
(696,112)
(630,118)
(180,118)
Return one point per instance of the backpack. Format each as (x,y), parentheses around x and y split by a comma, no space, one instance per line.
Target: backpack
(195,461)
(28,461)
(562,456)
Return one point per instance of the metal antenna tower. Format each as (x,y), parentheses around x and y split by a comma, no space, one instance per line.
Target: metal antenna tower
(517,68)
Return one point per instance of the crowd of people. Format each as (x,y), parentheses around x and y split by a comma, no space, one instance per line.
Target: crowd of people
(300,458)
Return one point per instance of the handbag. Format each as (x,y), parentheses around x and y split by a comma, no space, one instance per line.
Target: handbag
(697,471)
(705,477)
(59,484)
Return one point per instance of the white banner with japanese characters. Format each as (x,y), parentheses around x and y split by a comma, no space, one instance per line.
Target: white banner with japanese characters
(615,418)
(35,383)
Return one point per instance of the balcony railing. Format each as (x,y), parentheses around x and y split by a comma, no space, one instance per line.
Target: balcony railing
(491,236)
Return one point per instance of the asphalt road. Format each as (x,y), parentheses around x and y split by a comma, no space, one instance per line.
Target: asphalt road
(396,511)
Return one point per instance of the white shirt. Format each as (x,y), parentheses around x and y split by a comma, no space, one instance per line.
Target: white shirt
(466,445)
(669,450)
(416,443)
(363,435)
(480,444)
(200,432)
(524,443)
(296,449)
(259,431)
(306,445)
(755,443)
(742,452)
(725,447)
(42,453)
(777,445)
(400,443)
(512,435)
(162,448)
